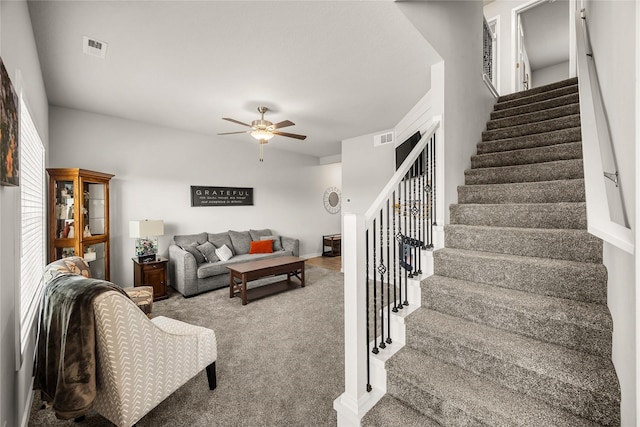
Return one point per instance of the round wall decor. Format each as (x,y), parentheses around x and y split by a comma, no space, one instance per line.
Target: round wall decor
(332,200)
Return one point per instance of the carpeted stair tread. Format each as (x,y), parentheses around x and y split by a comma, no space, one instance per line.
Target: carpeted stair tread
(573,324)
(548,171)
(568,151)
(389,411)
(571,245)
(571,98)
(540,89)
(543,139)
(455,397)
(524,215)
(579,281)
(526,100)
(533,117)
(578,382)
(532,128)
(570,190)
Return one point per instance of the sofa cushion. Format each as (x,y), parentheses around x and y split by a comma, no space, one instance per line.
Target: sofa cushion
(187,239)
(212,269)
(277,244)
(261,247)
(257,234)
(221,239)
(193,250)
(224,253)
(241,241)
(208,251)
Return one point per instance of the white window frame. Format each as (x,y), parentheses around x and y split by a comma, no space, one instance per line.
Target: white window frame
(33,224)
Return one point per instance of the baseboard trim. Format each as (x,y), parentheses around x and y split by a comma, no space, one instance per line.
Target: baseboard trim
(27,409)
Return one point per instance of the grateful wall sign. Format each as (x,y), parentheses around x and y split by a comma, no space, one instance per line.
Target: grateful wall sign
(221,196)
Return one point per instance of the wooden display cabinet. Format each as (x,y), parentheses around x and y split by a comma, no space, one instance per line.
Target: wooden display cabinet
(79,217)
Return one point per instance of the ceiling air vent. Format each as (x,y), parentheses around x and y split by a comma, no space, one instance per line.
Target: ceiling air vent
(94,47)
(382,139)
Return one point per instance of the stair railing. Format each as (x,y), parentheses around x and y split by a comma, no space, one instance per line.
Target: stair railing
(382,249)
(605,220)
(488,58)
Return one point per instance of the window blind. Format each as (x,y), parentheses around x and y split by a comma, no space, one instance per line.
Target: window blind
(33,237)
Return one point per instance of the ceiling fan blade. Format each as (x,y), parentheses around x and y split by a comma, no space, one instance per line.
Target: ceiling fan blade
(283,124)
(232,133)
(235,121)
(290,135)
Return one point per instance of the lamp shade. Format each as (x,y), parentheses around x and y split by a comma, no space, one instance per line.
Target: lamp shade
(146,228)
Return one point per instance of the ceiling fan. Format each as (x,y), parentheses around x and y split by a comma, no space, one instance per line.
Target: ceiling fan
(263,130)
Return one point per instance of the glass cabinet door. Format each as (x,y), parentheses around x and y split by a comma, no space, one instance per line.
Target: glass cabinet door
(93,209)
(95,257)
(64,210)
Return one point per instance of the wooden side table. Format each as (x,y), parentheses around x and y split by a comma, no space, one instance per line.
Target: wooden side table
(334,243)
(154,274)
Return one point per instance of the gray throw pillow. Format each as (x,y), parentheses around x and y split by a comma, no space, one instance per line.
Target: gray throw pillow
(220,239)
(241,241)
(257,234)
(277,244)
(195,252)
(209,251)
(189,239)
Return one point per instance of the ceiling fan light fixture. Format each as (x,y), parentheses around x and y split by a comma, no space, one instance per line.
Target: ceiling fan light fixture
(260,134)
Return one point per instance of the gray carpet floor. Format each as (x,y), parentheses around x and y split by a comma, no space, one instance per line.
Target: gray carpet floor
(280,360)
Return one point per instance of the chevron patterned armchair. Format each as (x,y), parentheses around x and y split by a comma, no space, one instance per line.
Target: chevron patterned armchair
(138,362)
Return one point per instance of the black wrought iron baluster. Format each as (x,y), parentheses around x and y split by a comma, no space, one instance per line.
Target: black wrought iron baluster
(415,211)
(388,280)
(366,243)
(405,247)
(423,209)
(382,269)
(375,298)
(410,229)
(418,215)
(398,242)
(434,177)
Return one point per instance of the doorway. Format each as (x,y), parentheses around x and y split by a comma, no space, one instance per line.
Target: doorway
(543,43)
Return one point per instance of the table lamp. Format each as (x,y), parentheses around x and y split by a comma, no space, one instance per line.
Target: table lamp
(145,233)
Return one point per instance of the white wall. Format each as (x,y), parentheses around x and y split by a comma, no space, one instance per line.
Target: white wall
(366,170)
(611,27)
(154,168)
(454,29)
(551,74)
(18,52)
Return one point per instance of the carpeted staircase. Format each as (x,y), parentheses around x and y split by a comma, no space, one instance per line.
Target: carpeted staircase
(514,329)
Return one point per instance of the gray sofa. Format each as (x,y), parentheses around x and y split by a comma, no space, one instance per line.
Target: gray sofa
(191,273)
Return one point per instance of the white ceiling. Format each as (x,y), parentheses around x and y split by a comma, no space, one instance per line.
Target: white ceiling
(337,69)
(546,32)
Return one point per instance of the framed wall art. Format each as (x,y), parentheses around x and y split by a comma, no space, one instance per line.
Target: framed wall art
(9,122)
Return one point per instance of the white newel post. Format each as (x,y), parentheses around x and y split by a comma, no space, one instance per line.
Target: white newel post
(349,406)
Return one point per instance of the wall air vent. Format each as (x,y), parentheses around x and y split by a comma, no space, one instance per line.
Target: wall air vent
(382,139)
(94,47)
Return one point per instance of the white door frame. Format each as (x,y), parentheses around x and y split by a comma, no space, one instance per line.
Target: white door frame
(515,15)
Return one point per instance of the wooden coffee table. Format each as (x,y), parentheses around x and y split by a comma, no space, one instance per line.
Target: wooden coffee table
(253,270)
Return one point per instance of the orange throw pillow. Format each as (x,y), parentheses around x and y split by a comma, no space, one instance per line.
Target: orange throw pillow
(261,247)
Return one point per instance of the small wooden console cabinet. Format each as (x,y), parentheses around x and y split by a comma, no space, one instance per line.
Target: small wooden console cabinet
(152,273)
(332,245)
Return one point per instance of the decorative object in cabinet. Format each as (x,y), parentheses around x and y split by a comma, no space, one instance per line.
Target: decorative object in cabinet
(79,217)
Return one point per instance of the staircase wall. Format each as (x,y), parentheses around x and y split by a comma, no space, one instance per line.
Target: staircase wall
(609,24)
(453,29)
